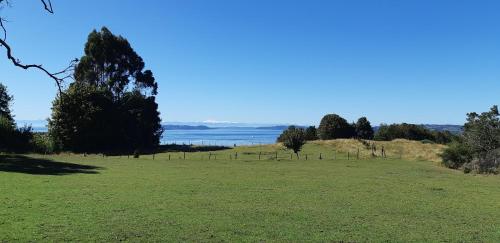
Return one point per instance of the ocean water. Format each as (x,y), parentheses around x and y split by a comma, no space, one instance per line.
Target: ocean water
(224,136)
(221,136)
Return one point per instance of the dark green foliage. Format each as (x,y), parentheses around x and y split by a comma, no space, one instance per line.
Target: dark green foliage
(333,126)
(364,129)
(84,120)
(293,138)
(5,100)
(404,130)
(101,111)
(110,63)
(482,136)
(478,148)
(413,132)
(456,155)
(42,143)
(444,137)
(281,137)
(311,133)
(12,138)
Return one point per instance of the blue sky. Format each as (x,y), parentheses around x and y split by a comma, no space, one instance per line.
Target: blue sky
(277,61)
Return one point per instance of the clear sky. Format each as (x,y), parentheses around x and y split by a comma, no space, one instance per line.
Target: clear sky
(417,61)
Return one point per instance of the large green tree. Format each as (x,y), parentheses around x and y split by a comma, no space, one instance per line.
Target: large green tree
(111,63)
(364,129)
(333,126)
(111,105)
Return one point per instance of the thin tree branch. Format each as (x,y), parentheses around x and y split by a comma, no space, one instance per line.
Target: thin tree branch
(59,76)
(47,4)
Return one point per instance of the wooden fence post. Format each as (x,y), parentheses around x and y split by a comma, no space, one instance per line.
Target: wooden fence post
(306,156)
(348,155)
(320,157)
(357,155)
(184,155)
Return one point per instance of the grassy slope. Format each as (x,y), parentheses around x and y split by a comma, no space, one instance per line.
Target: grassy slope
(245,200)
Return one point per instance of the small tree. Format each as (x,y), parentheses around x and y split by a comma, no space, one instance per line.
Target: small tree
(364,129)
(333,126)
(311,133)
(293,138)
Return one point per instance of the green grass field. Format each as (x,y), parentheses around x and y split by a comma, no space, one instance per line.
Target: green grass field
(75,198)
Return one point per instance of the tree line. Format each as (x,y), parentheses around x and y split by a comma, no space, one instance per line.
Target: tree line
(333,126)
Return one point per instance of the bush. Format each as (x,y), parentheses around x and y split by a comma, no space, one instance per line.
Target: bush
(42,143)
(456,155)
(311,133)
(333,126)
(293,138)
(405,131)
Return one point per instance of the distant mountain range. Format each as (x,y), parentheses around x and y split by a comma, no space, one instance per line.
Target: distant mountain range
(186,127)
(450,128)
(41,125)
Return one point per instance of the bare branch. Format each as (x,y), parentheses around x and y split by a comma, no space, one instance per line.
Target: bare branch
(47,4)
(59,76)
(55,76)
(3,28)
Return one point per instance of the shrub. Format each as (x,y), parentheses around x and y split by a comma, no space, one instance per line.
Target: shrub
(311,133)
(293,138)
(456,155)
(333,126)
(43,143)
(404,130)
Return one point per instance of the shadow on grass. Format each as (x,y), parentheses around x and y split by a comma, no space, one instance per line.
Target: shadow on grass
(38,166)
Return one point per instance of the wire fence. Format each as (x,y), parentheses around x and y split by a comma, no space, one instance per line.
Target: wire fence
(277,155)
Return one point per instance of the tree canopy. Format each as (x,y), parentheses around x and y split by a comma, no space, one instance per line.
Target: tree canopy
(111,63)
(111,105)
(333,126)
(364,129)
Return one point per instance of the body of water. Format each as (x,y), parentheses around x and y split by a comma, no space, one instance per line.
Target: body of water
(224,136)
(221,136)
